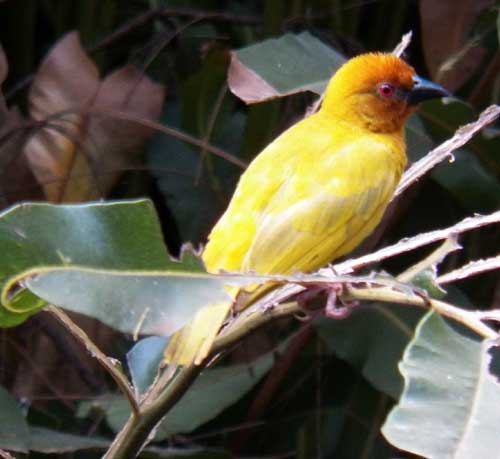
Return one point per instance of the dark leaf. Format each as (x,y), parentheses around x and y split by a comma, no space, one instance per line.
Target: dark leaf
(282,66)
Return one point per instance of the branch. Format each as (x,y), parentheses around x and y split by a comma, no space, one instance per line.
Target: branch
(471,269)
(106,362)
(471,319)
(403,44)
(443,151)
(448,246)
(203,144)
(406,245)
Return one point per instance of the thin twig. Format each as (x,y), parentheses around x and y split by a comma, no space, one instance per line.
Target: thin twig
(209,130)
(445,150)
(106,363)
(406,245)
(172,132)
(436,257)
(468,318)
(403,44)
(471,269)
(6,455)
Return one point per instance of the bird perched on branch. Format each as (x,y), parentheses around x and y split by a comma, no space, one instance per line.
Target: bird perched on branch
(318,190)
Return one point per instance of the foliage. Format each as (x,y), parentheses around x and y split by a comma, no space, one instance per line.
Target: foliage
(190,92)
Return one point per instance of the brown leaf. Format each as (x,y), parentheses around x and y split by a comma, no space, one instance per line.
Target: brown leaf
(67,81)
(248,85)
(129,91)
(82,148)
(450,54)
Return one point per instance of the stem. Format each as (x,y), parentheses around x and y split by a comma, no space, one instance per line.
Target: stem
(106,363)
(136,432)
(470,319)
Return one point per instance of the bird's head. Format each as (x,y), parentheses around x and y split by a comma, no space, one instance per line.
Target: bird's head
(377,91)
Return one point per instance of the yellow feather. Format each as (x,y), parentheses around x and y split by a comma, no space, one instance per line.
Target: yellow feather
(314,193)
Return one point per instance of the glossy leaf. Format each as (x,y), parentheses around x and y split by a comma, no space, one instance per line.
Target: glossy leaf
(133,302)
(195,188)
(282,66)
(469,175)
(49,441)
(14,431)
(35,235)
(449,407)
(144,361)
(372,339)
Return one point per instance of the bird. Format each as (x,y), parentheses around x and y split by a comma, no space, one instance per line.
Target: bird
(316,191)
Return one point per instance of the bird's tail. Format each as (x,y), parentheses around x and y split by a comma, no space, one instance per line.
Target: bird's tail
(192,343)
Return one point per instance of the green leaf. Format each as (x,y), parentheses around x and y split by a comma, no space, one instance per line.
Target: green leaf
(282,66)
(372,339)
(14,431)
(52,441)
(471,184)
(146,302)
(418,141)
(117,235)
(449,407)
(426,279)
(144,361)
(215,390)
(195,191)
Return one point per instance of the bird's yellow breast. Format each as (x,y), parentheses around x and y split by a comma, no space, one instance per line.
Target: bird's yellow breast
(311,196)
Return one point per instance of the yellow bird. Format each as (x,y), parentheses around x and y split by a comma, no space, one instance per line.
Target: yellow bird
(318,190)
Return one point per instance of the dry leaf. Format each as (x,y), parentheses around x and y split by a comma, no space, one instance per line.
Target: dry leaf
(78,154)
(246,84)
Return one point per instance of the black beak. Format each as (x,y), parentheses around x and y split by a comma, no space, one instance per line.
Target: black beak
(424,90)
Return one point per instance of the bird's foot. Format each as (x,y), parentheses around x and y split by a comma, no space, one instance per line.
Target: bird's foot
(336,307)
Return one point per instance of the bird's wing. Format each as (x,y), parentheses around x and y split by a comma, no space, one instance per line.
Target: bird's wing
(324,210)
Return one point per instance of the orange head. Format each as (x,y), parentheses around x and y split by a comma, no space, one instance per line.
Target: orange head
(377,91)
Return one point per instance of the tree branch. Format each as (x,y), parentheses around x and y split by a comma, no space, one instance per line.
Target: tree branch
(445,150)
(106,362)
(470,269)
(406,245)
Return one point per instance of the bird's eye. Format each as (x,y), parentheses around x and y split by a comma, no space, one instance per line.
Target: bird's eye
(386,90)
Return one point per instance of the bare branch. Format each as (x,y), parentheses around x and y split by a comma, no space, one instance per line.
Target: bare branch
(5,455)
(406,245)
(445,150)
(436,257)
(105,361)
(471,269)
(471,319)
(204,145)
(403,44)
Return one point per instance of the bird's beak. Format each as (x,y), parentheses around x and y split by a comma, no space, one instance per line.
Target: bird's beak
(424,90)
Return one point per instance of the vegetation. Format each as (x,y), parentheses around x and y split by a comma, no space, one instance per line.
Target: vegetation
(148,111)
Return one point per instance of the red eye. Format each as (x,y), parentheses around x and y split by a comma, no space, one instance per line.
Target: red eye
(386,90)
